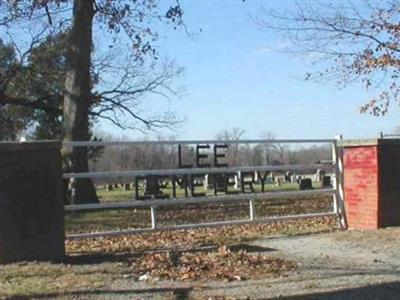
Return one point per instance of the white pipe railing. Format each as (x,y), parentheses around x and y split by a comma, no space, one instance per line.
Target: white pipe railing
(193,142)
(78,236)
(191,171)
(196,200)
(153,204)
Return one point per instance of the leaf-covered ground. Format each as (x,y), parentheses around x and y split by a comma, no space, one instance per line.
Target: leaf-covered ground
(223,264)
(184,214)
(198,255)
(187,239)
(189,255)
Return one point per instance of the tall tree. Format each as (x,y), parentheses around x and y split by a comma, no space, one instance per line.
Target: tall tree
(356,41)
(134,19)
(77,99)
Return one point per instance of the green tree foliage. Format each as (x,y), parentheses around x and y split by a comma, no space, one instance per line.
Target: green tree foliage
(41,77)
(13,119)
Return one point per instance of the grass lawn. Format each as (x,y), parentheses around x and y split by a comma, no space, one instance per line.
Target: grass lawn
(118,194)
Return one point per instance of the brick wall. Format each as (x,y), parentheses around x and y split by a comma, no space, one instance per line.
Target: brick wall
(361,177)
(31,202)
(372,183)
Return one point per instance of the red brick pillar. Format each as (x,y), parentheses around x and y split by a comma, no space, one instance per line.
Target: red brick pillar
(372,183)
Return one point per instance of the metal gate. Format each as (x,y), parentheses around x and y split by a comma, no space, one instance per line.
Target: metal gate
(334,166)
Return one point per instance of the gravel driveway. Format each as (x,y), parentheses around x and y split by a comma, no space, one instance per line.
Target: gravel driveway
(338,265)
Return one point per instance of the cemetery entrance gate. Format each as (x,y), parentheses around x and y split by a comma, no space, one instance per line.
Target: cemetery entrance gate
(206,168)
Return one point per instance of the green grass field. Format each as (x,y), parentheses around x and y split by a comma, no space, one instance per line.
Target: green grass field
(118,194)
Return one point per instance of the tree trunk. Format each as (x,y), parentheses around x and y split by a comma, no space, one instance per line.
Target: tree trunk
(77,100)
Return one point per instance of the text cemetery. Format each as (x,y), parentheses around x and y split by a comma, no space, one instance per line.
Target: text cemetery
(207,170)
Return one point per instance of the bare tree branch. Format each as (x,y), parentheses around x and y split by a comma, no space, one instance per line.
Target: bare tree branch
(361,44)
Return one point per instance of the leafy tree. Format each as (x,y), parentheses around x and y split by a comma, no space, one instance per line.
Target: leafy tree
(41,77)
(359,41)
(13,119)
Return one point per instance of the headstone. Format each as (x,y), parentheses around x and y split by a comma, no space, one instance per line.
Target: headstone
(319,175)
(205,182)
(127,186)
(209,180)
(196,181)
(152,188)
(288,176)
(326,181)
(237,180)
(232,179)
(305,184)
(220,182)
(109,187)
(247,182)
(163,182)
(269,180)
(256,178)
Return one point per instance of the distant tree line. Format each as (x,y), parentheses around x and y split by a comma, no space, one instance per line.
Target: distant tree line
(162,156)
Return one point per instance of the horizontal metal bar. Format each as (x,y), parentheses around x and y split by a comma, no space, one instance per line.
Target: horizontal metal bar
(196,200)
(195,142)
(170,172)
(195,226)
(391,134)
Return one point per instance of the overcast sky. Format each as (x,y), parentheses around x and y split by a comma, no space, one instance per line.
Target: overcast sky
(236,77)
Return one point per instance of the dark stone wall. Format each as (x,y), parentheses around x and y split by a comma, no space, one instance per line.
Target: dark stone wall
(31,202)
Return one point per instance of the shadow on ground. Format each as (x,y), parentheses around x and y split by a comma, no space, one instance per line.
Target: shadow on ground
(96,258)
(387,291)
(176,293)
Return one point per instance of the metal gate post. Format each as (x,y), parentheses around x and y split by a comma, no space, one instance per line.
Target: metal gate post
(251,209)
(338,196)
(153,214)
